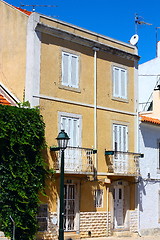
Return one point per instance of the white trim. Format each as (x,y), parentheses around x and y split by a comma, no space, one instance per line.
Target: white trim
(41,96)
(71,115)
(33,48)
(8,94)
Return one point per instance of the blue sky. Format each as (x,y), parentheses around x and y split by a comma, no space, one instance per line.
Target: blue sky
(113,18)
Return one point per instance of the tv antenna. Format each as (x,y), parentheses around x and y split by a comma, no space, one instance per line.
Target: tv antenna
(35,5)
(139,21)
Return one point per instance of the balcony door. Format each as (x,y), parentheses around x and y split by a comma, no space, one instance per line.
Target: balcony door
(120,146)
(72,126)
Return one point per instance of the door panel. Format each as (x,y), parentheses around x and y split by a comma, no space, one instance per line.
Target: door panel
(118,196)
(69,207)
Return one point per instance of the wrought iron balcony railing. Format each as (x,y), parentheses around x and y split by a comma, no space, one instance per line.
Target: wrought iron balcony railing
(123,163)
(76,160)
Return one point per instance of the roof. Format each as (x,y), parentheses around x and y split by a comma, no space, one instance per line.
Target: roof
(150,120)
(4,101)
(23,10)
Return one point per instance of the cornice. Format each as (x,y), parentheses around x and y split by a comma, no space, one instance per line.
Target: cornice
(72,37)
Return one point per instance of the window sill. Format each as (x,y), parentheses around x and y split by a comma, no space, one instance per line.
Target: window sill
(70,88)
(120,99)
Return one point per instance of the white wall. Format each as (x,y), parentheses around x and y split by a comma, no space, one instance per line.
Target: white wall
(149,73)
(148,189)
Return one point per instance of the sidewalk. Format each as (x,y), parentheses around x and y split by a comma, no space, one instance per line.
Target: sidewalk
(156,237)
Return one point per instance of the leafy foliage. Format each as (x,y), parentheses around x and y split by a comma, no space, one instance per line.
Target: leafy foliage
(22,169)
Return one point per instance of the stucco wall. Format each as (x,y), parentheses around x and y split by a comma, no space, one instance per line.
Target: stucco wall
(149,189)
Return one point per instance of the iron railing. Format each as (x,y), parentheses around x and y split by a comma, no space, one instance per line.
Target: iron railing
(123,163)
(76,160)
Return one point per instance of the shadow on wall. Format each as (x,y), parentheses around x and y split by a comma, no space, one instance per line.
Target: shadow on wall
(142,191)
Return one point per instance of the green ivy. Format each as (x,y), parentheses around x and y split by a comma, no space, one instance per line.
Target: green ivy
(22,169)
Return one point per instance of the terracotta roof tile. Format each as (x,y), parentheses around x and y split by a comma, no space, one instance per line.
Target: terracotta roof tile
(23,10)
(150,120)
(4,101)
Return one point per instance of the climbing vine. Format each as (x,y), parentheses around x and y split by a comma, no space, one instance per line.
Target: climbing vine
(22,170)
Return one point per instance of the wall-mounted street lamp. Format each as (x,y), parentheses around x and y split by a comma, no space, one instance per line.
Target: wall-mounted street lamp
(62,140)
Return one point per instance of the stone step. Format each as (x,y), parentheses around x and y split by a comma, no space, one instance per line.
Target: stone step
(71,235)
(122,233)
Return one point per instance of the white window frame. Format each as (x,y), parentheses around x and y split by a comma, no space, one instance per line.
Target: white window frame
(98,195)
(70,82)
(118,91)
(71,115)
(124,145)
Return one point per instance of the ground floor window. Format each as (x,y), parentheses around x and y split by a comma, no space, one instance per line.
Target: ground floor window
(42,217)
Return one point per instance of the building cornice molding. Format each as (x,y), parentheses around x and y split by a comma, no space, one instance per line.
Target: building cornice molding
(72,37)
(41,96)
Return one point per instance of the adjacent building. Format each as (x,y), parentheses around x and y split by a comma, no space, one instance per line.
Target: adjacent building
(86,84)
(149,182)
(149,139)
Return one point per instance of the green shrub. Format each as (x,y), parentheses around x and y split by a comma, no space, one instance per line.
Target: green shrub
(22,169)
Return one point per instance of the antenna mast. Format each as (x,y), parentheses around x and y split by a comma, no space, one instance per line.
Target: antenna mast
(34,6)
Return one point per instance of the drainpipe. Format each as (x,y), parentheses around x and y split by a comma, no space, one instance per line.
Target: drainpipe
(137,198)
(107,211)
(95,49)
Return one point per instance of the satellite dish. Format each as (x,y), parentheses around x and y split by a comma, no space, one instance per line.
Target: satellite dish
(134,39)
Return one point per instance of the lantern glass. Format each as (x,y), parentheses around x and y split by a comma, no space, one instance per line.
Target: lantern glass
(62,140)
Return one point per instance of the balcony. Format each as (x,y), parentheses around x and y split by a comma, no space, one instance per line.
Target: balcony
(76,160)
(123,163)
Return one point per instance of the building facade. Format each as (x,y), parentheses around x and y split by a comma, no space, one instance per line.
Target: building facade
(149,209)
(86,84)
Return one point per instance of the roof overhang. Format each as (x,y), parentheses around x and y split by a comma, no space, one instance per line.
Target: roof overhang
(63,34)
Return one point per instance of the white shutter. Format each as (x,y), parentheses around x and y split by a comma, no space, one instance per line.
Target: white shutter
(120,137)
(65,69)
(116,82)
(70,70)
(71,127)
(74,71)
(119,82)
(123,84)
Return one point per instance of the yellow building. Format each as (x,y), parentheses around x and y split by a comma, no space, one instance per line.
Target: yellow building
(86,84)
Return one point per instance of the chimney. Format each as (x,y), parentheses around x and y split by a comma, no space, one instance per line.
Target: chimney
(158,49)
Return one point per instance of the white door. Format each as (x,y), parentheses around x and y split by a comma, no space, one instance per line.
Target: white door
(71,125)
(120,144)
(69,207)
(118,196)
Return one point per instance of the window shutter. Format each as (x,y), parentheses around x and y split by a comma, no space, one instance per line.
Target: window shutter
(123,84)
(71,127)
(119,82)
(65,69)
(120,137)
(74,71)
(116,82)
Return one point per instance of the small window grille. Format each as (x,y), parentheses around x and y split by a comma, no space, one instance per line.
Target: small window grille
(99,198)
(42,217)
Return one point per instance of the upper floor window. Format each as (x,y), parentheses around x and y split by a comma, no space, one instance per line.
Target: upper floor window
(119,82)
(70,70)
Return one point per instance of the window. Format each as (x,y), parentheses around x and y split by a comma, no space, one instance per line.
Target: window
(70,70)
(119,82)
(42,217)
(71,124)
(120,138)
(99,198)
